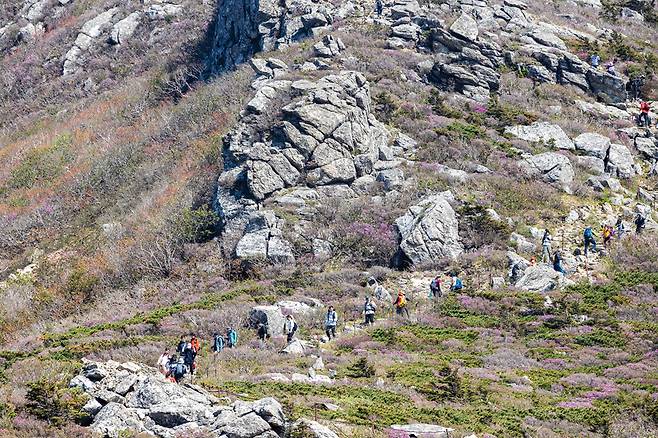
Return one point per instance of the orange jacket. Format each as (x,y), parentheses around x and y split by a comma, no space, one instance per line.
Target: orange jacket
(195,344)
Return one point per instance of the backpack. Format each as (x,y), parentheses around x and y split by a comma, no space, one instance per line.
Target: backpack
(180,370)
(458,284)
(294,327)
(402,300)
(588,233)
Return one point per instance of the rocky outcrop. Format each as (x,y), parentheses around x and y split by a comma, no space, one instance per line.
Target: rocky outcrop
(130,397)
(245,27)
(325,138)
(90,31)
(540,278)
(429,231)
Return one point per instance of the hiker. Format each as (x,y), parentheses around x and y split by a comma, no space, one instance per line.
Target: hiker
(217,343)
(636,85)
(263,333)
(533,261)
(588,238)
(330,322)
(231,338)
(181,345)
(455,283)
(619,228)
(178,369)
(557,263)
(379,7)
(194,342)
(163,362)
(610,67)
(595,60)
(643,119)
(435,287)
(369,309)
(640,223)
(606,233)
(189,355)
(546,247)
(289,328)
(401,304)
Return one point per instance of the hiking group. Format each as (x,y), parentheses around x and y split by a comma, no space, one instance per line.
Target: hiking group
(183,362)
(589,241)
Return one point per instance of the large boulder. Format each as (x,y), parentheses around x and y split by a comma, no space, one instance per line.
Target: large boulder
(540,278)
(270,315)
(552,167)
(429,230)
(263,239)
(593,144)
(620,162)
(542,132)
(609,88)
(113,419)
(465,27)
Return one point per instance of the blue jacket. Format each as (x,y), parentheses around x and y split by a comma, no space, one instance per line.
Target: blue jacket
(218,344)
(232,338)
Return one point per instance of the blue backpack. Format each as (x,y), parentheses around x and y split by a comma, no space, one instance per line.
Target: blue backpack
(458,283)
(588,233)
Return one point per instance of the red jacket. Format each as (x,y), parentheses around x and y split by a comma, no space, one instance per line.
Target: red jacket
(644,107)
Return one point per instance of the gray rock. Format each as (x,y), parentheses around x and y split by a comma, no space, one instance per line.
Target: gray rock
(548,39)
(420,429)
(312,429)
(602,183)
(542,132)
(114,418)
(595,166)
(81,382)
(393,179)
(247,426)
(123,30)
(609,88)
(126,384)
(550,166)
(92,407)
(271,411)
(90,31)
(429,231)
(620,162)
(177,412)
(270,315)
(648,146)
(593,144)
(540,278)
(329,47)
(295,348)
(465,27)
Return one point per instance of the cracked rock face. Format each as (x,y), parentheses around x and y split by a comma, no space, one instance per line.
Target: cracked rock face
(325,138)
(138,398)
(429,230)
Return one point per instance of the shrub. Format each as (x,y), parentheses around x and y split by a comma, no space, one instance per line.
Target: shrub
(54,402)
(360,368)
(41,166)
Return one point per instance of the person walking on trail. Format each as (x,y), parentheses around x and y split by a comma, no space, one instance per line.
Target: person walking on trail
(546,247)
(290,328)
(640,223)
(435,287)
(194,342)
(606,233)
(619,228)
(456,283)
(643,119)
(181,346)
(369,309)
(595,60)
(163,362)
(610,67)
(588,238)
(231,338)
(189,355)
(262,332)
(217,343)
(379,7)
(330,322)
(401,304)
(178,369)
(557,263)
